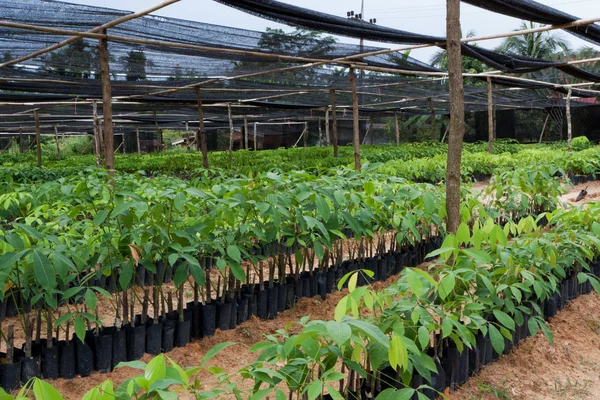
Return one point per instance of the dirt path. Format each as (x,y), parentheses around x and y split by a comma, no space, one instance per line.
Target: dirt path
(537,370)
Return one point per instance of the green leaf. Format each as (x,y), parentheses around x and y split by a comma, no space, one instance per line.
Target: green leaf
(446,327)
(44,273)
(446,286)
(371,330)
(45,391)
(314,389)
(463,234)
(80,328)
(156,369)
(424,337)
(90,299)
(179,201)
(119,210)
(396,394)
(137,364)
(533,326)
(397,353)
(496,338)
(100,217)
(234,253)
(125,276)
(31,231)
(214,351)
(504,319)
(340,332)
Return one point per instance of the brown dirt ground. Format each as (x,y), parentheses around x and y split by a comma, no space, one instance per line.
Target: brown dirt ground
(537,370)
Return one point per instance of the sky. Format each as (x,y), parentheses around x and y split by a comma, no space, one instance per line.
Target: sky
(423,16)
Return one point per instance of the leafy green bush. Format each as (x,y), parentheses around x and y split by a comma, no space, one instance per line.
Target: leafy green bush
(580,143)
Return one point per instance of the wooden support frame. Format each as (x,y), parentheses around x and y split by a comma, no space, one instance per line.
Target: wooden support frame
(490,110)
(356,136)
(230,133)
(397,126)
(201,135)
(334,119)
(109,144)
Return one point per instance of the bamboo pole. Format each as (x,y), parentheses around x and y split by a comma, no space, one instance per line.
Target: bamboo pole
(305,134)
(320,134)
(230,133)
(57,144)
(96,125)
(255,141)
(137,139)
(490,116)
(21,140)
(246,132)
(109,144)
(327,126)
(158,133)
(397,128)
(356,137)
(544,128)
(371,131)
(101,29)
(569,122)
(38,141)
(334,127)
(201,136)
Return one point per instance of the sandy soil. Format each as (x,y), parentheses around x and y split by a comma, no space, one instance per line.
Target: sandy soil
(593,189)
(537,370)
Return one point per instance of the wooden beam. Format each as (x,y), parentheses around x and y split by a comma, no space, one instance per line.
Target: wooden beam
(57,143)
(328,141)
(356,137)
(246,132)
(397,128)
(544,128)
(569,122)
(230,133)
(490,116)
(109,144)
(201,136)
(334,127)
(38,140)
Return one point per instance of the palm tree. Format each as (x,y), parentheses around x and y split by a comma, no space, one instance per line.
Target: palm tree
(541,45)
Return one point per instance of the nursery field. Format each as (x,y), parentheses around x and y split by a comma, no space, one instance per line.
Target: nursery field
(311,280)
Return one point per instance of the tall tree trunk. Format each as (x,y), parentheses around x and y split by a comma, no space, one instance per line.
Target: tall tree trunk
(490,116)
(457,115)
(109,140)
(356,136)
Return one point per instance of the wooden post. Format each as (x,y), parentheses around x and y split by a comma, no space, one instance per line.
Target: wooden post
(305,134)
(544,128)
(57,144)
(490,115)
(187,137)
(356,137)
(96,134)
(327,127)
(230,133)
(137,139)
(569,122)
(255,141)
(320,134)
(457,115)
(21,140)
(397,128)
(158,133)
(38,140)
(246,132)
(371,131)
(201,136)
(334,115)
(109,144)
(123,142)
(432,119)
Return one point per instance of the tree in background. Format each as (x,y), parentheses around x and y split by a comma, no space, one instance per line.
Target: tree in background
(541,45)
(135,65)
(76,60)
(469,64)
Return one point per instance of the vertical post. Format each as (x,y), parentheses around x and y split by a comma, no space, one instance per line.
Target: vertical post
(255,141)
(334,128)
(356,138)
(544,128)
(569,122)
(109,144)
(230,133)
(327,126)
(320,134)
(187,136)
(371,131)
(490,115)
(96,134)
(305,134)
(57,144)
(457,115)
(123,142)
(201,136)
(38,140)
(137,139)
(158,133)
(432,119)
(21,140)
(246,132)
(397,128)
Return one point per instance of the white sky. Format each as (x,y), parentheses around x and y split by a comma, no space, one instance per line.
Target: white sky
(423,16)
